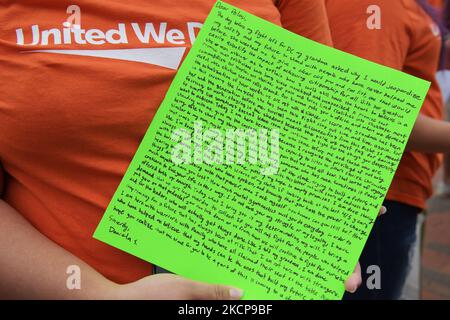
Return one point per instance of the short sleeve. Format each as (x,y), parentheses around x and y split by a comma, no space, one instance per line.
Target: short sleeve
(376,30)
(306,18)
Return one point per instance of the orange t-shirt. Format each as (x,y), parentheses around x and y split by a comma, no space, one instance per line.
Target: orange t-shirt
(408,40)
(72,119)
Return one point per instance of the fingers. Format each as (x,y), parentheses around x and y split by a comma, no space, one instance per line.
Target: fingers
(174,287)
(355,280)
(204,291)
(383,210)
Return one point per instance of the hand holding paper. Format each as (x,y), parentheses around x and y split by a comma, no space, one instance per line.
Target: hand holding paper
(267,162)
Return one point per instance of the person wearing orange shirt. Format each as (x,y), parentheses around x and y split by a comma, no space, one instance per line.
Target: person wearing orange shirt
(406,38)
(443,8)
(71,119)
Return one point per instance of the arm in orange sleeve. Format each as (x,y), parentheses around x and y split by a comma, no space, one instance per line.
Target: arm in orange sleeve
(34,267)
(350,33)
(306,18)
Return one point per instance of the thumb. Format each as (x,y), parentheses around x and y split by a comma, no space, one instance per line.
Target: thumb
(205,291)
(354,281)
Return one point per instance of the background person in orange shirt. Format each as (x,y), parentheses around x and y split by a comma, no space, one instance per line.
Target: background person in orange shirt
(444,82)
(70,125)
(409,40)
